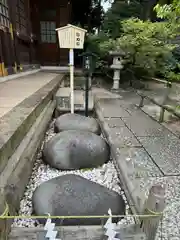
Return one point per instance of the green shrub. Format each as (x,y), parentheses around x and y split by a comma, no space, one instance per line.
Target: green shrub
(147,46)
(173,76)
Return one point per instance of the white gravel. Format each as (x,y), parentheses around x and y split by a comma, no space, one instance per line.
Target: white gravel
(105,175)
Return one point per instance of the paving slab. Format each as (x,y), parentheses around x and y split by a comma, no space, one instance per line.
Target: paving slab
(115,111)
(140,130)
(130,107)
(123,137)
(114,122)
(142,125)
(165,152)
(143,163)
(100,93)
(112,108)
(156,161)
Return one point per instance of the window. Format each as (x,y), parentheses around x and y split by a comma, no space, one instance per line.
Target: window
(48,33)
(21,20)
(4,13)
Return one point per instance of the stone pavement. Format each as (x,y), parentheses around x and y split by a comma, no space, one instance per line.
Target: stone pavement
(154,150)
(158,91)
(13,92)
(132,128)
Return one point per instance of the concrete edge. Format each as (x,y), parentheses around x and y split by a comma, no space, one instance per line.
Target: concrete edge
(16,175)
(63,68)
(60,110)
(105,98)
(59,68)
(18,75)
(80,232)
(13,131)
(127,185)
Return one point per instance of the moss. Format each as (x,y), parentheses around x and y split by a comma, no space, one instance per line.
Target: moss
(86,169)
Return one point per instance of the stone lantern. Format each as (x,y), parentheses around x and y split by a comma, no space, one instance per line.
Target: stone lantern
(117,66)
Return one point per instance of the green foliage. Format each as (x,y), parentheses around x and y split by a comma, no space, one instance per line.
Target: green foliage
(119,11)
(146,44)
(169,11)
(93,42)
(173,76)
(86,169)
(149,46)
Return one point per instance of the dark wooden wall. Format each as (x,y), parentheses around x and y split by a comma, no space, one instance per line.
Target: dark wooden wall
(58,13)
(21,41)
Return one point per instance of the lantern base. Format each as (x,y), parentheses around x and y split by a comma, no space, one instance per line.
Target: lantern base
(115,90)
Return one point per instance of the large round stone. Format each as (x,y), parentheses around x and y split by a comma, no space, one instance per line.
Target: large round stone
(76,122)
(72,195)
(73,149)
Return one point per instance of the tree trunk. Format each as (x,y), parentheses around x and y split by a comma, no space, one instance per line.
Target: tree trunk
(147,9)
(99,4)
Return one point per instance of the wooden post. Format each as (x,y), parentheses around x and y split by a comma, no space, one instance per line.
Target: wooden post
(154,206)
(161,116)
(2,70)
(4,210)
(29,30)
(166,96)
(71,64)
(12,9)
(141,104)
(12,19)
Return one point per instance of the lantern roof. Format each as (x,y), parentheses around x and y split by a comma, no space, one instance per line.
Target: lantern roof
(117,53)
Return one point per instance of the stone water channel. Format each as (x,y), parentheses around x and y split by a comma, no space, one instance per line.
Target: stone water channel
(99,178)
(22,141)
(85,184)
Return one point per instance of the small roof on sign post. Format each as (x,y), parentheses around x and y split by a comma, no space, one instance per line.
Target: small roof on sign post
(71,26)
(71,37)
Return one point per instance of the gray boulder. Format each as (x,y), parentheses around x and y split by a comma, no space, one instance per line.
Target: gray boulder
(73,195)
(73,149)
(76,122)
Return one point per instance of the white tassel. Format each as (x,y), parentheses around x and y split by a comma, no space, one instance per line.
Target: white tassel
(49,226)
(110,233)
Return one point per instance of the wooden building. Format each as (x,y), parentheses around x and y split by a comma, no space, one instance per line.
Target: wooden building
(28,36)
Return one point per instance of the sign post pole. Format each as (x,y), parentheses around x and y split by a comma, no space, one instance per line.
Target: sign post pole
(88,70)
(87,66)
(71,64)
(71,37)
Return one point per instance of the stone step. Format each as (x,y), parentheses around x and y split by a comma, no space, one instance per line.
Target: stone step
(15,124)
(79,81)
(63,100)
(22,130)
